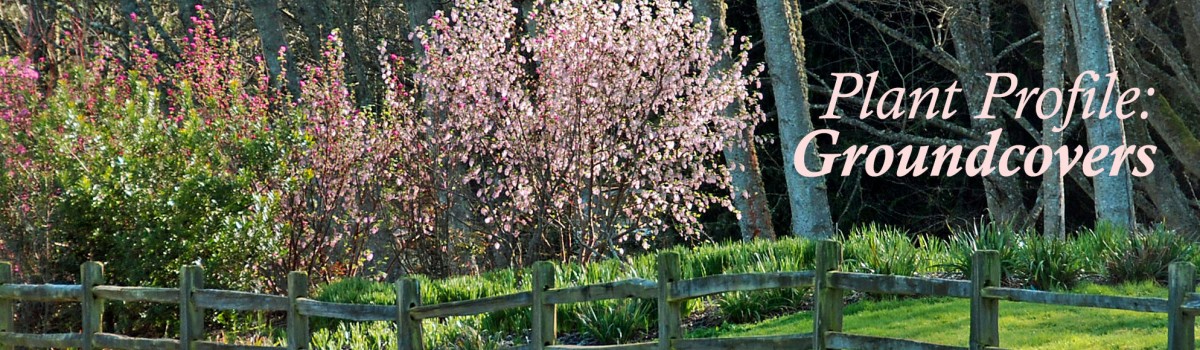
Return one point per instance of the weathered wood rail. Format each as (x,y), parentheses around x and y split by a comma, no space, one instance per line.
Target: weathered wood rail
(828,283)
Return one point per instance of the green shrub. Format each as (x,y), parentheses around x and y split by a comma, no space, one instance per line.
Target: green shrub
(990,236)
(881,250)
(742,307)
(355,336)
(1050,263)
(460,333)
(353,290)
(1145,255)
(616,321)
(786,254)
(934,253)
(1093,245)
(755,306)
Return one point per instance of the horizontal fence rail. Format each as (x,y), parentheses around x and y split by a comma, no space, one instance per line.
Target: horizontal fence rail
(827,282)
(473,307)
(41,292)
(138,294)
(900,285)
(237,301)
(1081,300)
(717,284)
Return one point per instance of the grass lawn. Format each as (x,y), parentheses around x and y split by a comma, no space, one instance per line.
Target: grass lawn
(1022,325)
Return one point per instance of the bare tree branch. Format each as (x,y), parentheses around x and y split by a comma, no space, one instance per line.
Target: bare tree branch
(1159,39)
(939,56)
(819,7)
(1015,45)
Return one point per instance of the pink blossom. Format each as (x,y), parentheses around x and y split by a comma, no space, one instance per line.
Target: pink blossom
(590,121)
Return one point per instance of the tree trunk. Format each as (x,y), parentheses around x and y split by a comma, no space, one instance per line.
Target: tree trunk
(313,16)
(807,196)
(747,190)
(419,13)
(1053,34)
(1161,185)
(187,11)
(1189,22)
(356,69)
(970,26)
(1093,45)
(453,221)
(270,33)
(1178,136)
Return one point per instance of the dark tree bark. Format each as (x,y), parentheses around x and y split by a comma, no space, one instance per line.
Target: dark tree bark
(271,36)
(187,11)
(1189,21)
(1176,81)
(1161,185)
(41,22)
(317,20)
(314,19)
(970,25)
(807,196)
(356,69)
(747,191)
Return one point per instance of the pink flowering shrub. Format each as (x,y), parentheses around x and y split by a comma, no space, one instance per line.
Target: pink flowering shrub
(329,202)
(155,165)
(25,187)
(149,169)
(596,132)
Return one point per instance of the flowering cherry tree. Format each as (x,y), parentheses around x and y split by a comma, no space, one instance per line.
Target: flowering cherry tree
(588,130)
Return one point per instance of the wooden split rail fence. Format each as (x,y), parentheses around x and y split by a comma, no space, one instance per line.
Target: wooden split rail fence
(828,284)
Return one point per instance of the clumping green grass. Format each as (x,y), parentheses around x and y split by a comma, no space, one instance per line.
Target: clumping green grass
(1022,325)
(1105,254)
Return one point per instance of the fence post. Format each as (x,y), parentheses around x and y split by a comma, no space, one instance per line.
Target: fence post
(6,313)
(670,314)
(828,298)
(409,333)
(191,317)
(545,319)
(298,335)
(985,312)
(1181,327)
(6,305)
(91,274)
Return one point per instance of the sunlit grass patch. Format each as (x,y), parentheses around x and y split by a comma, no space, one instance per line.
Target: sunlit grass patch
(1022,325)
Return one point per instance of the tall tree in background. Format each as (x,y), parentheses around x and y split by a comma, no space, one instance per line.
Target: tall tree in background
(1093,49)
(450,216)
(807,196)
(1054,29)
(317,19)
(746,184)
(271,36)
(187,11)
(970,25)
(1150,57)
